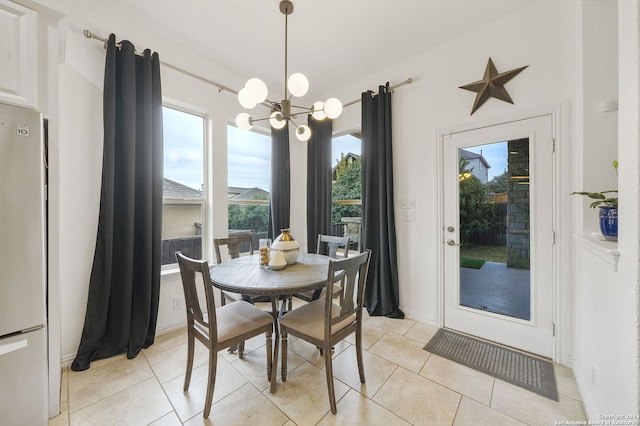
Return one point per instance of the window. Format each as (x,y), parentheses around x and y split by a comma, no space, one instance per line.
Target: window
(346,192)
(249,162)
(183,201)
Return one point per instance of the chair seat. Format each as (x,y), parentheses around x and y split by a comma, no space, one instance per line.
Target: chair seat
(232,296)
(217,328)
(237,318)
(309,319)
(325,322)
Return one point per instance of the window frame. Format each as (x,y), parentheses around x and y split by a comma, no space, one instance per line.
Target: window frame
(244,202)
(206,196)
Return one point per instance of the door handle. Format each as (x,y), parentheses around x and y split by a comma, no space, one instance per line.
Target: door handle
(452,243)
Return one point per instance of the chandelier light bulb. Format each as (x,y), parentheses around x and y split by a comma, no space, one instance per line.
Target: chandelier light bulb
(318,111)
(298,84)
(246,100)
(243,121)
(257,90)
(303,133)
(333,108)
(276,120)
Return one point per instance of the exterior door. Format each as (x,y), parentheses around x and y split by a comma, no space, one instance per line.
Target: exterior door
(498,236)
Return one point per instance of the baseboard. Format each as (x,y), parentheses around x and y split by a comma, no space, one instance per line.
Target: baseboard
(67,360)
(166,328)
(587,400)
(416,316)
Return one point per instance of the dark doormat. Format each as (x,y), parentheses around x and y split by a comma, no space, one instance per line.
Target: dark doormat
(528,372)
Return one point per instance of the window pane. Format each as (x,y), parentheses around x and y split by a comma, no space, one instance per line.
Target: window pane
(249,162)
(183,198)
(346,193)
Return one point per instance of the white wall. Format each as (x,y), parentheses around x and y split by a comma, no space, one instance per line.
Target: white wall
(570,48)
(77,150)
(606,284)
(545,36)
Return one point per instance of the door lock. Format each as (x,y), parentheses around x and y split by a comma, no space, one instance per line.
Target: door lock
(450,228)
(452,243)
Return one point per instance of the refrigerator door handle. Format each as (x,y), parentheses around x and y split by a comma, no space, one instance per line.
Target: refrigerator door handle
(12,347)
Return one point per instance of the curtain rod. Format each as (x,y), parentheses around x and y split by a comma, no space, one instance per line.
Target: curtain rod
(395,86)
(90,35)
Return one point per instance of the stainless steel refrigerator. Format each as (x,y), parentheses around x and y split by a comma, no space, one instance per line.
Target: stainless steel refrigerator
(23,316)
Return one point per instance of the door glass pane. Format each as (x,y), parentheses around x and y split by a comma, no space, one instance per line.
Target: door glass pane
(495,228)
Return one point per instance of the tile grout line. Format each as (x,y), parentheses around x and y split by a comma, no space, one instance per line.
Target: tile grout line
(164,392)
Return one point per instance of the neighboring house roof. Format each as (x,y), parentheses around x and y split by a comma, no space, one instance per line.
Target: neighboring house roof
(174,190)
(468,155)
(347,158)
(246,193)
(235,190)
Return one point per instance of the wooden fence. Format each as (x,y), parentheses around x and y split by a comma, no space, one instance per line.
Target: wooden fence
(497,235)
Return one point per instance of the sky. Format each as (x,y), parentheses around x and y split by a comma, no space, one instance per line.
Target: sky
(249,153)
(249,156)
(495,154)
(183,138)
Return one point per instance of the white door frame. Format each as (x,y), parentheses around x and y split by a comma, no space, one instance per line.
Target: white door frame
(563,295)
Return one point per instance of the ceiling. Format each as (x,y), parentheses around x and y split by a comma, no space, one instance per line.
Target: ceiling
(333,42)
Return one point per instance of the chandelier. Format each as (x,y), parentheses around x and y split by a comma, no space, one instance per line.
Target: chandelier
(255,92)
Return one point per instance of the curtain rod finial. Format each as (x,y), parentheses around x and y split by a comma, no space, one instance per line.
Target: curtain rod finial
(88,34)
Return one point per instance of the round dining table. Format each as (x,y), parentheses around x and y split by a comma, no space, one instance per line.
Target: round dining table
(244,275)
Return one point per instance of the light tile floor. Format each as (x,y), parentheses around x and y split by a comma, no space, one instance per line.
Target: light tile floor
(404,385)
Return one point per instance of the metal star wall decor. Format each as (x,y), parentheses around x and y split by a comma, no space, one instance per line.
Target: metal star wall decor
(491,85)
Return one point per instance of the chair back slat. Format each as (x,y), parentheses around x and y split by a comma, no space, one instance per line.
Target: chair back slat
(352,273)
(233,245)
(329,245)
(195,273)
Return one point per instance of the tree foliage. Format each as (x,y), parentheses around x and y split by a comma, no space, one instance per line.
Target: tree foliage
(348,186)
(498,184)
(251,217)
(477,213)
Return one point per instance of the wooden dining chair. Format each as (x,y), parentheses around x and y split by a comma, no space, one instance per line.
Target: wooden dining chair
(234,245)
(324,323)
(329,245)
(220,328)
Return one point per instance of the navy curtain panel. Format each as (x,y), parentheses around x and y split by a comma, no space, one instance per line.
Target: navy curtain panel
(280,205)
(378,221)
(318,181)
(124,286)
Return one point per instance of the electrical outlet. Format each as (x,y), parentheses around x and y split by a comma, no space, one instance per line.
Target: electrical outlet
(176,304)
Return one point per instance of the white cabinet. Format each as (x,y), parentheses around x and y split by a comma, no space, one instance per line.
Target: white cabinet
(18,53)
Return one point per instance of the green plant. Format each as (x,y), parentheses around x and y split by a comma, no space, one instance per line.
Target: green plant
(477,212)
(348,186)
(601,198)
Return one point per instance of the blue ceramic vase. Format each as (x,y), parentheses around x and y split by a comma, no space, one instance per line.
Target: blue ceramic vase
(609,222)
